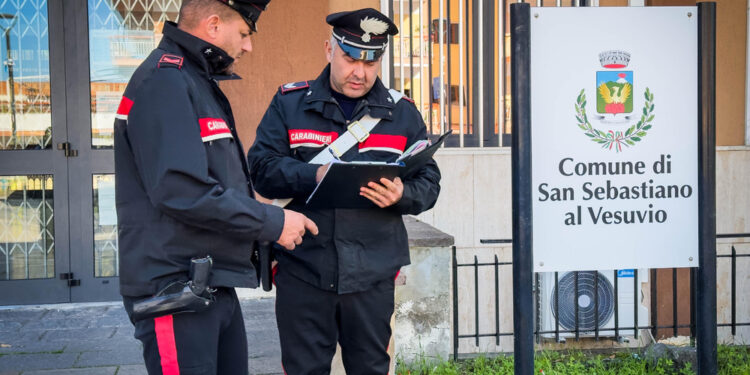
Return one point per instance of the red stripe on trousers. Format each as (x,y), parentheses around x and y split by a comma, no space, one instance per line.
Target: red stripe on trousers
(274,270)
(164,328)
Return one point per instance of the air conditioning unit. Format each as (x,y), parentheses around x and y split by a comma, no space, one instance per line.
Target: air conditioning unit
(628,295)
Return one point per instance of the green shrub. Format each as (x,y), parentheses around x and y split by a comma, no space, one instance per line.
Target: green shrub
(732,360)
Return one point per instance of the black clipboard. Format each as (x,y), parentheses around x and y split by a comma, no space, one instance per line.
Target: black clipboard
(412,163)
(340,186)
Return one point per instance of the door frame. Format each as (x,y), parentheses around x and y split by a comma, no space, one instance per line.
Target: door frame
(89,161)
(48,161)
(72,176)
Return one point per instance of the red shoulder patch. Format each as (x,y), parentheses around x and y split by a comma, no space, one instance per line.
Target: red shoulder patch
(294,86)
(168,60)
(408,99)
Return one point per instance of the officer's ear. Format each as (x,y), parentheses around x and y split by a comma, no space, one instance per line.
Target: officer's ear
(328,50)
(212,26)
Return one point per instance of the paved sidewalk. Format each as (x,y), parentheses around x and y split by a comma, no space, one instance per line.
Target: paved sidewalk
(94,339)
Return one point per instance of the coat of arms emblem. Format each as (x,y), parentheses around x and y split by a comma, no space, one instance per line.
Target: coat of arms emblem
(614,90)
(614,105)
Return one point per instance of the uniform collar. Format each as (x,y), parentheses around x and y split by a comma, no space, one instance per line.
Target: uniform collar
(377,101)
(212,59)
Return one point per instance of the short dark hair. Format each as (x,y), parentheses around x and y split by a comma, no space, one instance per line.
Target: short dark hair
(193,11)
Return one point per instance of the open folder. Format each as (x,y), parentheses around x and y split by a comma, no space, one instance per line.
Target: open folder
(340,185)
(339,188)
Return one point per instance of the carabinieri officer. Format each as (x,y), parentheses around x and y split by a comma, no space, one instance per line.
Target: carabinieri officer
(183,191)
(339,286)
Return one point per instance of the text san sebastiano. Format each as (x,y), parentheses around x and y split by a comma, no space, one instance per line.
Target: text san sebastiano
(645,195)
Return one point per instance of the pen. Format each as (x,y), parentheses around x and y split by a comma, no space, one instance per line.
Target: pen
(333,153)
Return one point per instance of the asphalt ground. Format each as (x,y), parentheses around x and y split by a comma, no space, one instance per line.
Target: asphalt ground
(97,339)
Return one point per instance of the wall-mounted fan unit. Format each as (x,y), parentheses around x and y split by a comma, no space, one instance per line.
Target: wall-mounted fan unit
(595,298)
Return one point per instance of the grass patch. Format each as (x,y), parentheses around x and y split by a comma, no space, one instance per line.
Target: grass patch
(732,360)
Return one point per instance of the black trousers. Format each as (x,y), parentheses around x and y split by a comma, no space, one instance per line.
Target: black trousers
(205,343)
(312,320)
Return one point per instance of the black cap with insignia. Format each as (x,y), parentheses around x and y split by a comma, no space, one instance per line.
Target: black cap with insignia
(362,34)
(248,9)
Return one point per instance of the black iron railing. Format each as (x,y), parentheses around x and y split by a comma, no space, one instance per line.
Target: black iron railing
(499,267)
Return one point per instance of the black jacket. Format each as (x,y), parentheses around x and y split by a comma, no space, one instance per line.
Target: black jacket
(182,184)
(356,248)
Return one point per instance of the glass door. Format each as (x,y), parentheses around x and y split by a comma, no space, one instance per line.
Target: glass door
(65,65)
(34,237)
(120,34)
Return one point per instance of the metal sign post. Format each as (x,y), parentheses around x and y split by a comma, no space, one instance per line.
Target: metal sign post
(706,286)
(523,272)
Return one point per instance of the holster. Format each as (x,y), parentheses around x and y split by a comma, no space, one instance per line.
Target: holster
(265,258)
(179,296)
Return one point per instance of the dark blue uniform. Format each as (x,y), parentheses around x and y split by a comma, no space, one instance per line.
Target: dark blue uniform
(340,282)
(183,191)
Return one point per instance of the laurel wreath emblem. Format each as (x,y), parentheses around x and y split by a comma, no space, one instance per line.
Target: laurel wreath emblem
(616,139)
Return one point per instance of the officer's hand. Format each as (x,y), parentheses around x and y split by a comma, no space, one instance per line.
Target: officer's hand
(385,193)
(295,225)
(321,172)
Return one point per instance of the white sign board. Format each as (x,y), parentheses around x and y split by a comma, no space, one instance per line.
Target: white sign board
(614,135)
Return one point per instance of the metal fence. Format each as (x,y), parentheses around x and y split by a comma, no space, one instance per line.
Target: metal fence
(578,324)
(448,57)
(452,57)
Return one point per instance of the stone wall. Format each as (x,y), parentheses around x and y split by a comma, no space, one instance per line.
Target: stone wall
(424,298)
